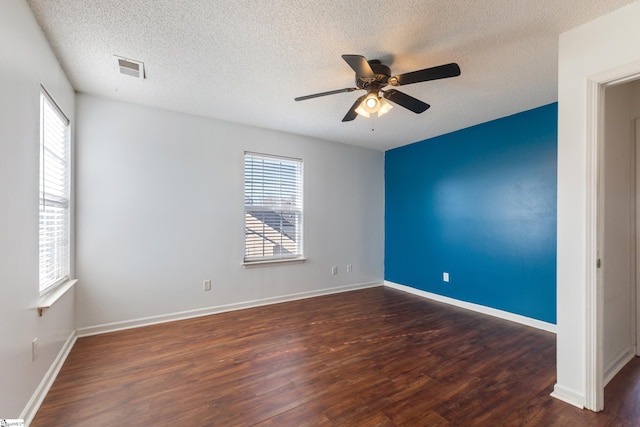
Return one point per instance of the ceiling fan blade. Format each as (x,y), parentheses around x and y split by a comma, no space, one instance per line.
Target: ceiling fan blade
(406,101)
(351,114)
(433,73)
(360,65)
(331,92)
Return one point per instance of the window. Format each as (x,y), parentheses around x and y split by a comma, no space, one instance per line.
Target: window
(54,229)
(273,208)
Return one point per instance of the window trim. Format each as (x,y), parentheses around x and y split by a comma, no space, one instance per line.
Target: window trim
(273,262)
(298,257)
(64,282)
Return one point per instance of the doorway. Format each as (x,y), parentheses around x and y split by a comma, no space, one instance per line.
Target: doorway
(617,222)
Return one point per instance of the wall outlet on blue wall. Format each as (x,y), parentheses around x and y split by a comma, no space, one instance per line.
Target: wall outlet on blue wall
(445,277)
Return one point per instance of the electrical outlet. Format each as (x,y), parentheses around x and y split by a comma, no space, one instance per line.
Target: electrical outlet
(349,268)
(334,270)
(445,277)
(206,285)
(34,349)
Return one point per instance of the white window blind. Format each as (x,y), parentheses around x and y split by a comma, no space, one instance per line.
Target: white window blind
(273,207)
(54,195)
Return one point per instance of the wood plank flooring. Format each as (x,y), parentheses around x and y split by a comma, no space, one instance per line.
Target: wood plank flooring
(373,357)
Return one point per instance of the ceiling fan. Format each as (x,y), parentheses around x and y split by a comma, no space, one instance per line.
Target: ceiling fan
(372,76)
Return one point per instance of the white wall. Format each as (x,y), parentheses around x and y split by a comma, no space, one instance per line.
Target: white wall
(601,45)
(26,61)
(618,220)
(160,209)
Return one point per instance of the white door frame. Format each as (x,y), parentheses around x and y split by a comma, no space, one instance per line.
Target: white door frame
(636,241)
(596,85)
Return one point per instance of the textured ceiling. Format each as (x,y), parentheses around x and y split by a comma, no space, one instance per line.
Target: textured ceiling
(245,61)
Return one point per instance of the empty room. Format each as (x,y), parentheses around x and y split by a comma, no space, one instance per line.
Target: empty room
(286,213)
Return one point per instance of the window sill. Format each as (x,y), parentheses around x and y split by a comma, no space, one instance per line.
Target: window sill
(270,263)
(47,300)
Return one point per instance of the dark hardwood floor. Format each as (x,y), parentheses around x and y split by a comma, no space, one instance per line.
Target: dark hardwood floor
(374,357)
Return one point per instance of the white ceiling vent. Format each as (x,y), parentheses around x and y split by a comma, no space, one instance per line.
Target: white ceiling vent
(130,67)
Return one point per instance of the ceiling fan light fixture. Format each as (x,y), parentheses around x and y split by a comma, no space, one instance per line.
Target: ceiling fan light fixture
(362,111)
(373,104)
(384,107)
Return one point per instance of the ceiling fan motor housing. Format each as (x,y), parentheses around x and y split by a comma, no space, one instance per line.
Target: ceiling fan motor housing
(380,78)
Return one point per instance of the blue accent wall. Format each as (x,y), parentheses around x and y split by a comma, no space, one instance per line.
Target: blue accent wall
(480,204)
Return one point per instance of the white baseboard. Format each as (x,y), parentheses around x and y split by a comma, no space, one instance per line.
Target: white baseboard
(568,396)
(38,396)
(163,318)
(618,363)
(523,320)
